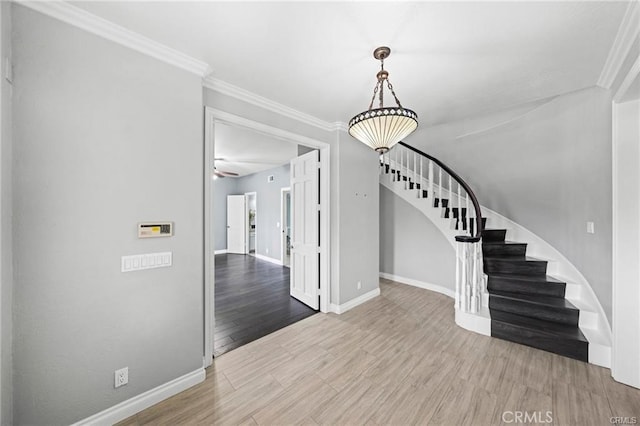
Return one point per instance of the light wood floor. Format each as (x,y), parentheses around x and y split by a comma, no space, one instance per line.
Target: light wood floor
(398,359)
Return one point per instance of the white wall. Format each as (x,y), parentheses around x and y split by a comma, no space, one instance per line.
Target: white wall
(105,137)
(411,246)
(6,207)
(546,166)
(626,267)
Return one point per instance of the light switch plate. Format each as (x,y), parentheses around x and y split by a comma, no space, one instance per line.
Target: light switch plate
(139,262)
(591,228)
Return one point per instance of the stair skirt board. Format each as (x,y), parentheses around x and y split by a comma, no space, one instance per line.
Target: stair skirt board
(519,283)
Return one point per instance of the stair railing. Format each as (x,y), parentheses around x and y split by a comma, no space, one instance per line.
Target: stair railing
(432,179)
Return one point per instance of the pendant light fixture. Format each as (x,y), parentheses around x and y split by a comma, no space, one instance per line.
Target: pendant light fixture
(383,127)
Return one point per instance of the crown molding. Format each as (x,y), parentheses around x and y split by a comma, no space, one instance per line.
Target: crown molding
(244,95)
(625,37)
(89,22)
(634,71)
(341,126)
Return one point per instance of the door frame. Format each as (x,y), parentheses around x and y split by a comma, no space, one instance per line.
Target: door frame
(213,116)
(283,240)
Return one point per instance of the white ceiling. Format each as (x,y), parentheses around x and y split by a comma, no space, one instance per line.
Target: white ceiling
(450,60)
(245,151)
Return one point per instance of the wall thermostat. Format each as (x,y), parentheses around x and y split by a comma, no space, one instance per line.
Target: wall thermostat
(155,229)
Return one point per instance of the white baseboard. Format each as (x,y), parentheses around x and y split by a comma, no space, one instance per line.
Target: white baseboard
(340,309)
(267,259)
(138,403)
(223,251)
(420,284)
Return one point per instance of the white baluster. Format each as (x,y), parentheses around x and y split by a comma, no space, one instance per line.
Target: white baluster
(469,213)
(458,274)
(459,220)
(463,278)
(406,166)
(415,171)
(421,180)
(397,165)
(431,193)
(440,184)
(450,196)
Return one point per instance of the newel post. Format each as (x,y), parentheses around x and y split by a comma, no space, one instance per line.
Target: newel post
(469,273)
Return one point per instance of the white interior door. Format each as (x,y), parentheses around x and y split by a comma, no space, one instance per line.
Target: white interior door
(305,231)
(236,224)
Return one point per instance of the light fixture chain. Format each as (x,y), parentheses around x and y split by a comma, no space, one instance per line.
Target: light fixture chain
(373,98)
(390,86)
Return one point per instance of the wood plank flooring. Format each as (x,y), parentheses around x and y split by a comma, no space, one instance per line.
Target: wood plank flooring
(398,359)
(251,300)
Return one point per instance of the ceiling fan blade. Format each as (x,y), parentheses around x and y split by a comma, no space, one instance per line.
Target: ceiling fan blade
(222,160)
(222,173)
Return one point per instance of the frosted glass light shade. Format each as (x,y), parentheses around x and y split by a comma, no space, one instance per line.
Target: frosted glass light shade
(382,128)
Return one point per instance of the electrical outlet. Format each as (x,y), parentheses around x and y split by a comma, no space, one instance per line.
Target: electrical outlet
(122,377)
(359,285)
(591,228)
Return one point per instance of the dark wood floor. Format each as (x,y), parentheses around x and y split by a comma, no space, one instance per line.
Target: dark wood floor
(252,300)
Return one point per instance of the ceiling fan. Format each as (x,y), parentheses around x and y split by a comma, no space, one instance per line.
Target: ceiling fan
(222,173)
(238,163)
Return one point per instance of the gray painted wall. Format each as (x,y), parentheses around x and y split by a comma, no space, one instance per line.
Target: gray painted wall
(547,168)
(6,206)
(411,246)
(105,137)
(268,226)
(221,188)
(359,218)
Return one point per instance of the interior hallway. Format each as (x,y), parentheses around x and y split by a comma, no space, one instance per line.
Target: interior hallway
(251,300)
(397,359)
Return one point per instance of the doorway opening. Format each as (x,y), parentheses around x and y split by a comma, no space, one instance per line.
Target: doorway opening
(265,249)
(250,215)
(285,209)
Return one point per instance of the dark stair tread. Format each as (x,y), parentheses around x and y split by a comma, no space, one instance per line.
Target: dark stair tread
(530,278)
(514,259)
(555,302)
(504,248)
(550,328)
(517,243)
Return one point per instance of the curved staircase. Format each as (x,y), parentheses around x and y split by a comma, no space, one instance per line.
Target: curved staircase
(517,297)
(526,305)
